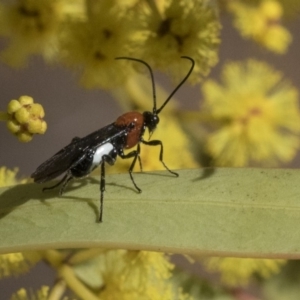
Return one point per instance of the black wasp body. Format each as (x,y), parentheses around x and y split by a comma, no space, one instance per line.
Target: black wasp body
(83,155)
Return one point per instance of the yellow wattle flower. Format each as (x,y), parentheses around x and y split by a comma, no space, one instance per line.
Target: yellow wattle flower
(9,177)
(17,263)
(91,45)
(258,116)
(238,271)
(189,28)
(138,275)
(33,27)
(262,23)
(25,118)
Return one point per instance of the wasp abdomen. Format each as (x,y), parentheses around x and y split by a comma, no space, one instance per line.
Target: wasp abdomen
(102,150)
(135,120)
(92,159)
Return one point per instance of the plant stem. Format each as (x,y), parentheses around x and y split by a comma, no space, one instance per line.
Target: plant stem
(67,273)
(58,290)
(84,255)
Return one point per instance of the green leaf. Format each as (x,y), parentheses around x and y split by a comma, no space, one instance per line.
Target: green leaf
(226,212)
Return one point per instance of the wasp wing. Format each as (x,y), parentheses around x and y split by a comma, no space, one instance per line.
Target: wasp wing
(65,158)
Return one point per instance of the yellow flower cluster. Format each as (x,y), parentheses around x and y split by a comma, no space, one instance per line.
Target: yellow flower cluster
(140,275)
(238,271)
(257,116)
(119,274)
(181,28)
(32,27)
(262,23)
(8,177)
(17,263)
(25,118)
(24,24)
(92,44)
(88,36)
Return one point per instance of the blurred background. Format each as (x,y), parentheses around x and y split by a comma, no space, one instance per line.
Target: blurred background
(73,111)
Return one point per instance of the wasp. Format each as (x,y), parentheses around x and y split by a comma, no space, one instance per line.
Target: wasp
(83,155)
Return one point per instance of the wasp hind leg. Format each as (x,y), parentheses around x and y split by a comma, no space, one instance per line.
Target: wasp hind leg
(69,175)
(63,182)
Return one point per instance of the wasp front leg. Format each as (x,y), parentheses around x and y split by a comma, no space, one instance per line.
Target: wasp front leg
(136,155)
(161,153)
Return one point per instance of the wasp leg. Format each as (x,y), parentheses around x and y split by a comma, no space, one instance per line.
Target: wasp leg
(161,153)
(136,155)
(65,180)
(140,162)
(102,188)
(57,184)
(68,177)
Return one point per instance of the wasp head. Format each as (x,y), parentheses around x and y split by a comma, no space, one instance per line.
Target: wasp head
(150,120)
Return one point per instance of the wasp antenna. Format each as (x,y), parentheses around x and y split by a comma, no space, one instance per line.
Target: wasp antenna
(180,84)
(151,74)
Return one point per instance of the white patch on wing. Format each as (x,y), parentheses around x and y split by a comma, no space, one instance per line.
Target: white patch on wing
(102,150)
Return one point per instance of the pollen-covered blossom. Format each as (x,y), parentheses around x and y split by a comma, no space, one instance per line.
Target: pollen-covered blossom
(257,115)
(17,263)
(262,22)
(25,118)
(238,271)
(184,27)
(32,27)
(137,275)
(92,45)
